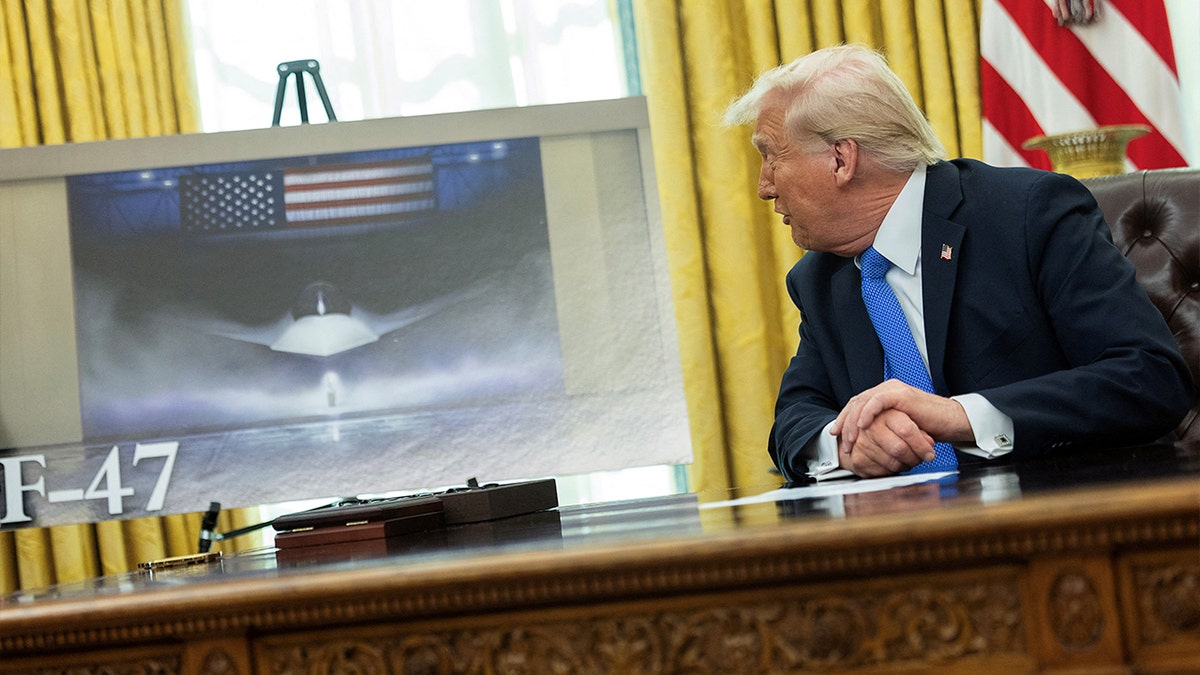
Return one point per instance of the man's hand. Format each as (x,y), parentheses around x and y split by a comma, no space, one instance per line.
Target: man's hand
(890,444)
(940,418)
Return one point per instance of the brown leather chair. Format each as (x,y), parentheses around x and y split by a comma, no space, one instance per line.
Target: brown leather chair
(1155,221)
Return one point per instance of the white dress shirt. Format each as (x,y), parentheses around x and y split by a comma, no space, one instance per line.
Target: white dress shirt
(899,240)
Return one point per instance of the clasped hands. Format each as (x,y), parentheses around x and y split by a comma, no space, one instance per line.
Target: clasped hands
(892,427)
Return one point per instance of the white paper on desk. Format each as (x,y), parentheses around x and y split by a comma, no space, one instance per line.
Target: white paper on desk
(833,488)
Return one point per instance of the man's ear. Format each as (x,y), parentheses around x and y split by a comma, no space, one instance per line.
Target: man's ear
(845,156)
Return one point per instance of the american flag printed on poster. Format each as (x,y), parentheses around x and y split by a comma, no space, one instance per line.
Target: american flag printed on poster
(1038,77)
(364,192)
(355,193)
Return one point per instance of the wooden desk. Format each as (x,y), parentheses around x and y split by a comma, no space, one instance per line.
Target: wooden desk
(1088,567)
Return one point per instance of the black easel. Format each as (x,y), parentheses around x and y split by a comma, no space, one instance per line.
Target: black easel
(298,68)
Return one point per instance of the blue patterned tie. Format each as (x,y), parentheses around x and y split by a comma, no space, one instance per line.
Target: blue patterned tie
(901,360)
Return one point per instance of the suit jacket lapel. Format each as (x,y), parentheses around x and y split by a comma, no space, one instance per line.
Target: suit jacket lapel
(939,265)
(864,354)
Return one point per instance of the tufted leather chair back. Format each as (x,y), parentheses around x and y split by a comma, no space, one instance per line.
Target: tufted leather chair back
(1155,221)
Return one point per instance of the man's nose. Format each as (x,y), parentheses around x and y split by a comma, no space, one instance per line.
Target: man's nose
(766,186)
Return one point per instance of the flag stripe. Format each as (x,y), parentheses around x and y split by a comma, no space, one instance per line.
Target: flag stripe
(356,191)
(1150,20)
(311,176)
(997,148)
(357,213)
(1018,122)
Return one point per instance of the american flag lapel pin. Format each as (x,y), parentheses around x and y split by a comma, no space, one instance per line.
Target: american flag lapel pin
(947,252)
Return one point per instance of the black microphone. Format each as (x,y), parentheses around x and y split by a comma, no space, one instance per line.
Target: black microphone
(208,524)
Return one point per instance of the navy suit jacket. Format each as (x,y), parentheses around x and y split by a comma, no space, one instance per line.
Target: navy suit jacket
(1035,310)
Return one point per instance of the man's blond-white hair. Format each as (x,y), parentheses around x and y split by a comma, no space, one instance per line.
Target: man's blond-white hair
(847,92)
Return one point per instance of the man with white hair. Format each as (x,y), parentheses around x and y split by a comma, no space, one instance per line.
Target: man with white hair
(945,305)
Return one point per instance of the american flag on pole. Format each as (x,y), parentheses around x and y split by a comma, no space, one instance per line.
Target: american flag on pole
(328,195)
(1039,77)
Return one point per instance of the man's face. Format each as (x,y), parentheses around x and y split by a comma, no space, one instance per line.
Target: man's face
(800,178)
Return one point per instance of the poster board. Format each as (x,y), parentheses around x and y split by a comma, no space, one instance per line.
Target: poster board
(327,310)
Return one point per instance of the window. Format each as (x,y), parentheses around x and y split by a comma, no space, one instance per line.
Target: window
(384,58)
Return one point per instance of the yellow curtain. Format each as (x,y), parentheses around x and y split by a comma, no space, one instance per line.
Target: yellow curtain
(728,252)
(86,70)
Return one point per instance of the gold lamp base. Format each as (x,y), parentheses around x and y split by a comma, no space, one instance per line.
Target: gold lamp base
(1088,153)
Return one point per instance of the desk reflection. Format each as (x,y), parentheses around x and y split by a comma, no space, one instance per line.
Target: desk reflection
(987,482)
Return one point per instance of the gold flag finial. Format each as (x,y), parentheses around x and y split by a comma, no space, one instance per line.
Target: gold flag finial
(1088,153)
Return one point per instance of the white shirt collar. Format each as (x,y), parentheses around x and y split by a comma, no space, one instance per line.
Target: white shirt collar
(899,236)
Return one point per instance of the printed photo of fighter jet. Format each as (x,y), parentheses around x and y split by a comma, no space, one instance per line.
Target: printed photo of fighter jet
(262,293)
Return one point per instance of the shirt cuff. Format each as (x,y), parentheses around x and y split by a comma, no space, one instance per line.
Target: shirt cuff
(826,465)
(993,429)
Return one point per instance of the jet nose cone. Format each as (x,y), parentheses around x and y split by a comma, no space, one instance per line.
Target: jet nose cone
(320,298)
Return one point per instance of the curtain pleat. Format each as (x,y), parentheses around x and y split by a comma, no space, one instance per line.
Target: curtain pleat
(89,108)
(827,22)
(862,23)
(740,284)
(16,96)
(934,61)
(8,562)
(144,539)
(962,29)
(180,98)
(727,251)
(114,557)
(35,558)
(660,42)
(74,549)
(74,60)
(759,20)
(45,74)
(143,72)
(181,534)
(901,37)
(106,60)
(158,71)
